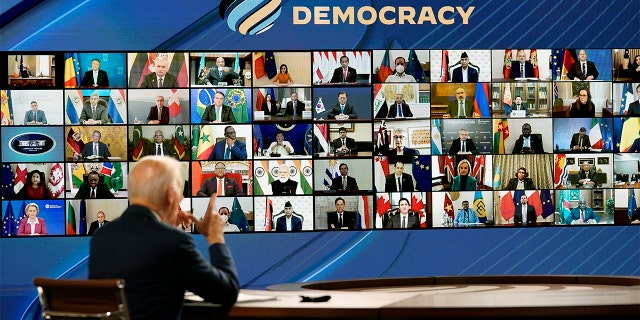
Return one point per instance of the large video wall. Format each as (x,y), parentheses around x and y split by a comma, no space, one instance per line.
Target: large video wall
(288,140)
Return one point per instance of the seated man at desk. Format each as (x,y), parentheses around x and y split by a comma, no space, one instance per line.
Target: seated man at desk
(344,182)
(400,109)
(582,214)
(96,149)
(95,77)
(284,186)
(580,141)
(344,144)
(280,147)
(26,72)
(295,106)
(93,188)
(524,214)
(220,73)
(521,181)
(217,112)
(587,176)
(527,143)
(460,108)
(230,148)
(35,116)
(465,215)
(401,218)
(158,114)
(519,105)
(583,69)
(220,185)
(463,144)
(521,68)
(288,222)
(344,73)
(93,112)
(341,219)
(464,73)
(342,110)
(398,181)
(159,147)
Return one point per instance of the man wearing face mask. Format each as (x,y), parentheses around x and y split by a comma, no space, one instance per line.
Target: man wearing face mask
(399,75)
(228,227)
(528,143)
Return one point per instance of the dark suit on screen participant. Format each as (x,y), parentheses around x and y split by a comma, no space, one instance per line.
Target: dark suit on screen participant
(457,75)
(100,114)
(103,79)
(456,146)
(515,70)
(281,224)
(155,287)
(103,150)
(350,142)
(452,109)
(150,149)
(102,192)
(348,220)
(210,186)
(38,117)
(407,156)
(348,110)
(95,226)
(238,151)
(284,188)
(394,221)
(393,110)
(273,110)
(513,184)
(575,141)
(530,214)
(534,143)
(336,184)
(226,114)
(338,75)
(153,115)
(575,72)
(635,147)
(391,183)
(151,81)
(299,108)
(634,108)
(216,76)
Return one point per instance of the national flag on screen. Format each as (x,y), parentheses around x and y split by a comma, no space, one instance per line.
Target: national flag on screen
(626,99)
(380,107)
(500,135)
(507,207)
(308,140)
(497,177)
(533,58)
(422,172)
(506,66)
(362,221)
(270,66)
(566,206)
(385,69)
(238,217)
(382,140)
(117,102)
(417,205)
(595,135)
(74,141)
(262,178)
(236,64)
(75,102)
(72,76)
(20,177)
(330,172)
(507,99)
(178,142)
(138,143)
(320,107)
(21,214)
(547,203)
(205,98)
(480,207)
(115,181)
(236,98)
(107,169)
(196,176)
(268,226)
(304,169)
(446,165)
(321,134)
(174,103)
(7,181)
(258,65)
(444,70)
(71,219)
(9,225)
(6,108)
(479,164)
(560,170)
(481,100)
(414,67)
(382,206)
(82,224)
(381,170)
(447,206)
(556,64)
(536,202)
(143,64)
(22,63)
(203,62)
(436,137)
(569,58)
(257,140)
(318,74)
(77,174)
(206,143)
(55,184)
(633,205)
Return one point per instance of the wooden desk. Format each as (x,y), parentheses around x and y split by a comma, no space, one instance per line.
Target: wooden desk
(561,112)
(627,185)
(32,82)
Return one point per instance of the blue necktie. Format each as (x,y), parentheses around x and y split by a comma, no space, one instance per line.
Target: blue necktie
(227,154)
(399,110)
(342,107)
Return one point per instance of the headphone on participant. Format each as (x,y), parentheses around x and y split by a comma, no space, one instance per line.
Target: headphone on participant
(526,174)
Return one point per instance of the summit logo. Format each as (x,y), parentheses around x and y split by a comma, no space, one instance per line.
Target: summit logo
(250,17)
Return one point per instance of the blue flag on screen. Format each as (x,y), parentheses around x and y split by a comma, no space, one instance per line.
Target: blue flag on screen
(422,172)
(8,222)
(270,64)
(237,216)
(632,203)
(82,228)
(414,67)
(547,204)
(7,181)
(308,140)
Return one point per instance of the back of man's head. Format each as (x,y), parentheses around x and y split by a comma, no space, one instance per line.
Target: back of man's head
(151,178)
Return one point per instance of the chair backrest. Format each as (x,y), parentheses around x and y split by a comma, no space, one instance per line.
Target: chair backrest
(62,298)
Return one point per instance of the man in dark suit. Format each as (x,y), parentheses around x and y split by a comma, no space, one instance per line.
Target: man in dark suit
(93,188)
(634,107)
(400,109)
(288,222)
(96,148)
(98,223)
(94,112)
(344,182)
(398,181)
(464,73)
(158,261)
(344,73)
(229,186)
(521,68)
(521,181)
(583,69)
(460,108)
(528,143)
(295,106)
(587,177)
(26,72)
(161,78)
(344,144)
(518,105)
(342,110)
(220,73)
(524,210)
(341,219)
(582,214)
(635,146)
(159,147)
(463,144)
(95,77)
(580,141)
(400,152)
(284,185)
(217,112)
(230,148)
(35,116)
(402,218)
(158,114)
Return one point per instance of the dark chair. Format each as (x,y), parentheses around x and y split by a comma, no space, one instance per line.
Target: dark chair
(92,299)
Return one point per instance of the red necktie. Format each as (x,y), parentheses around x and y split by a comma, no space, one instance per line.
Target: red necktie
(345,75)
(219,187)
